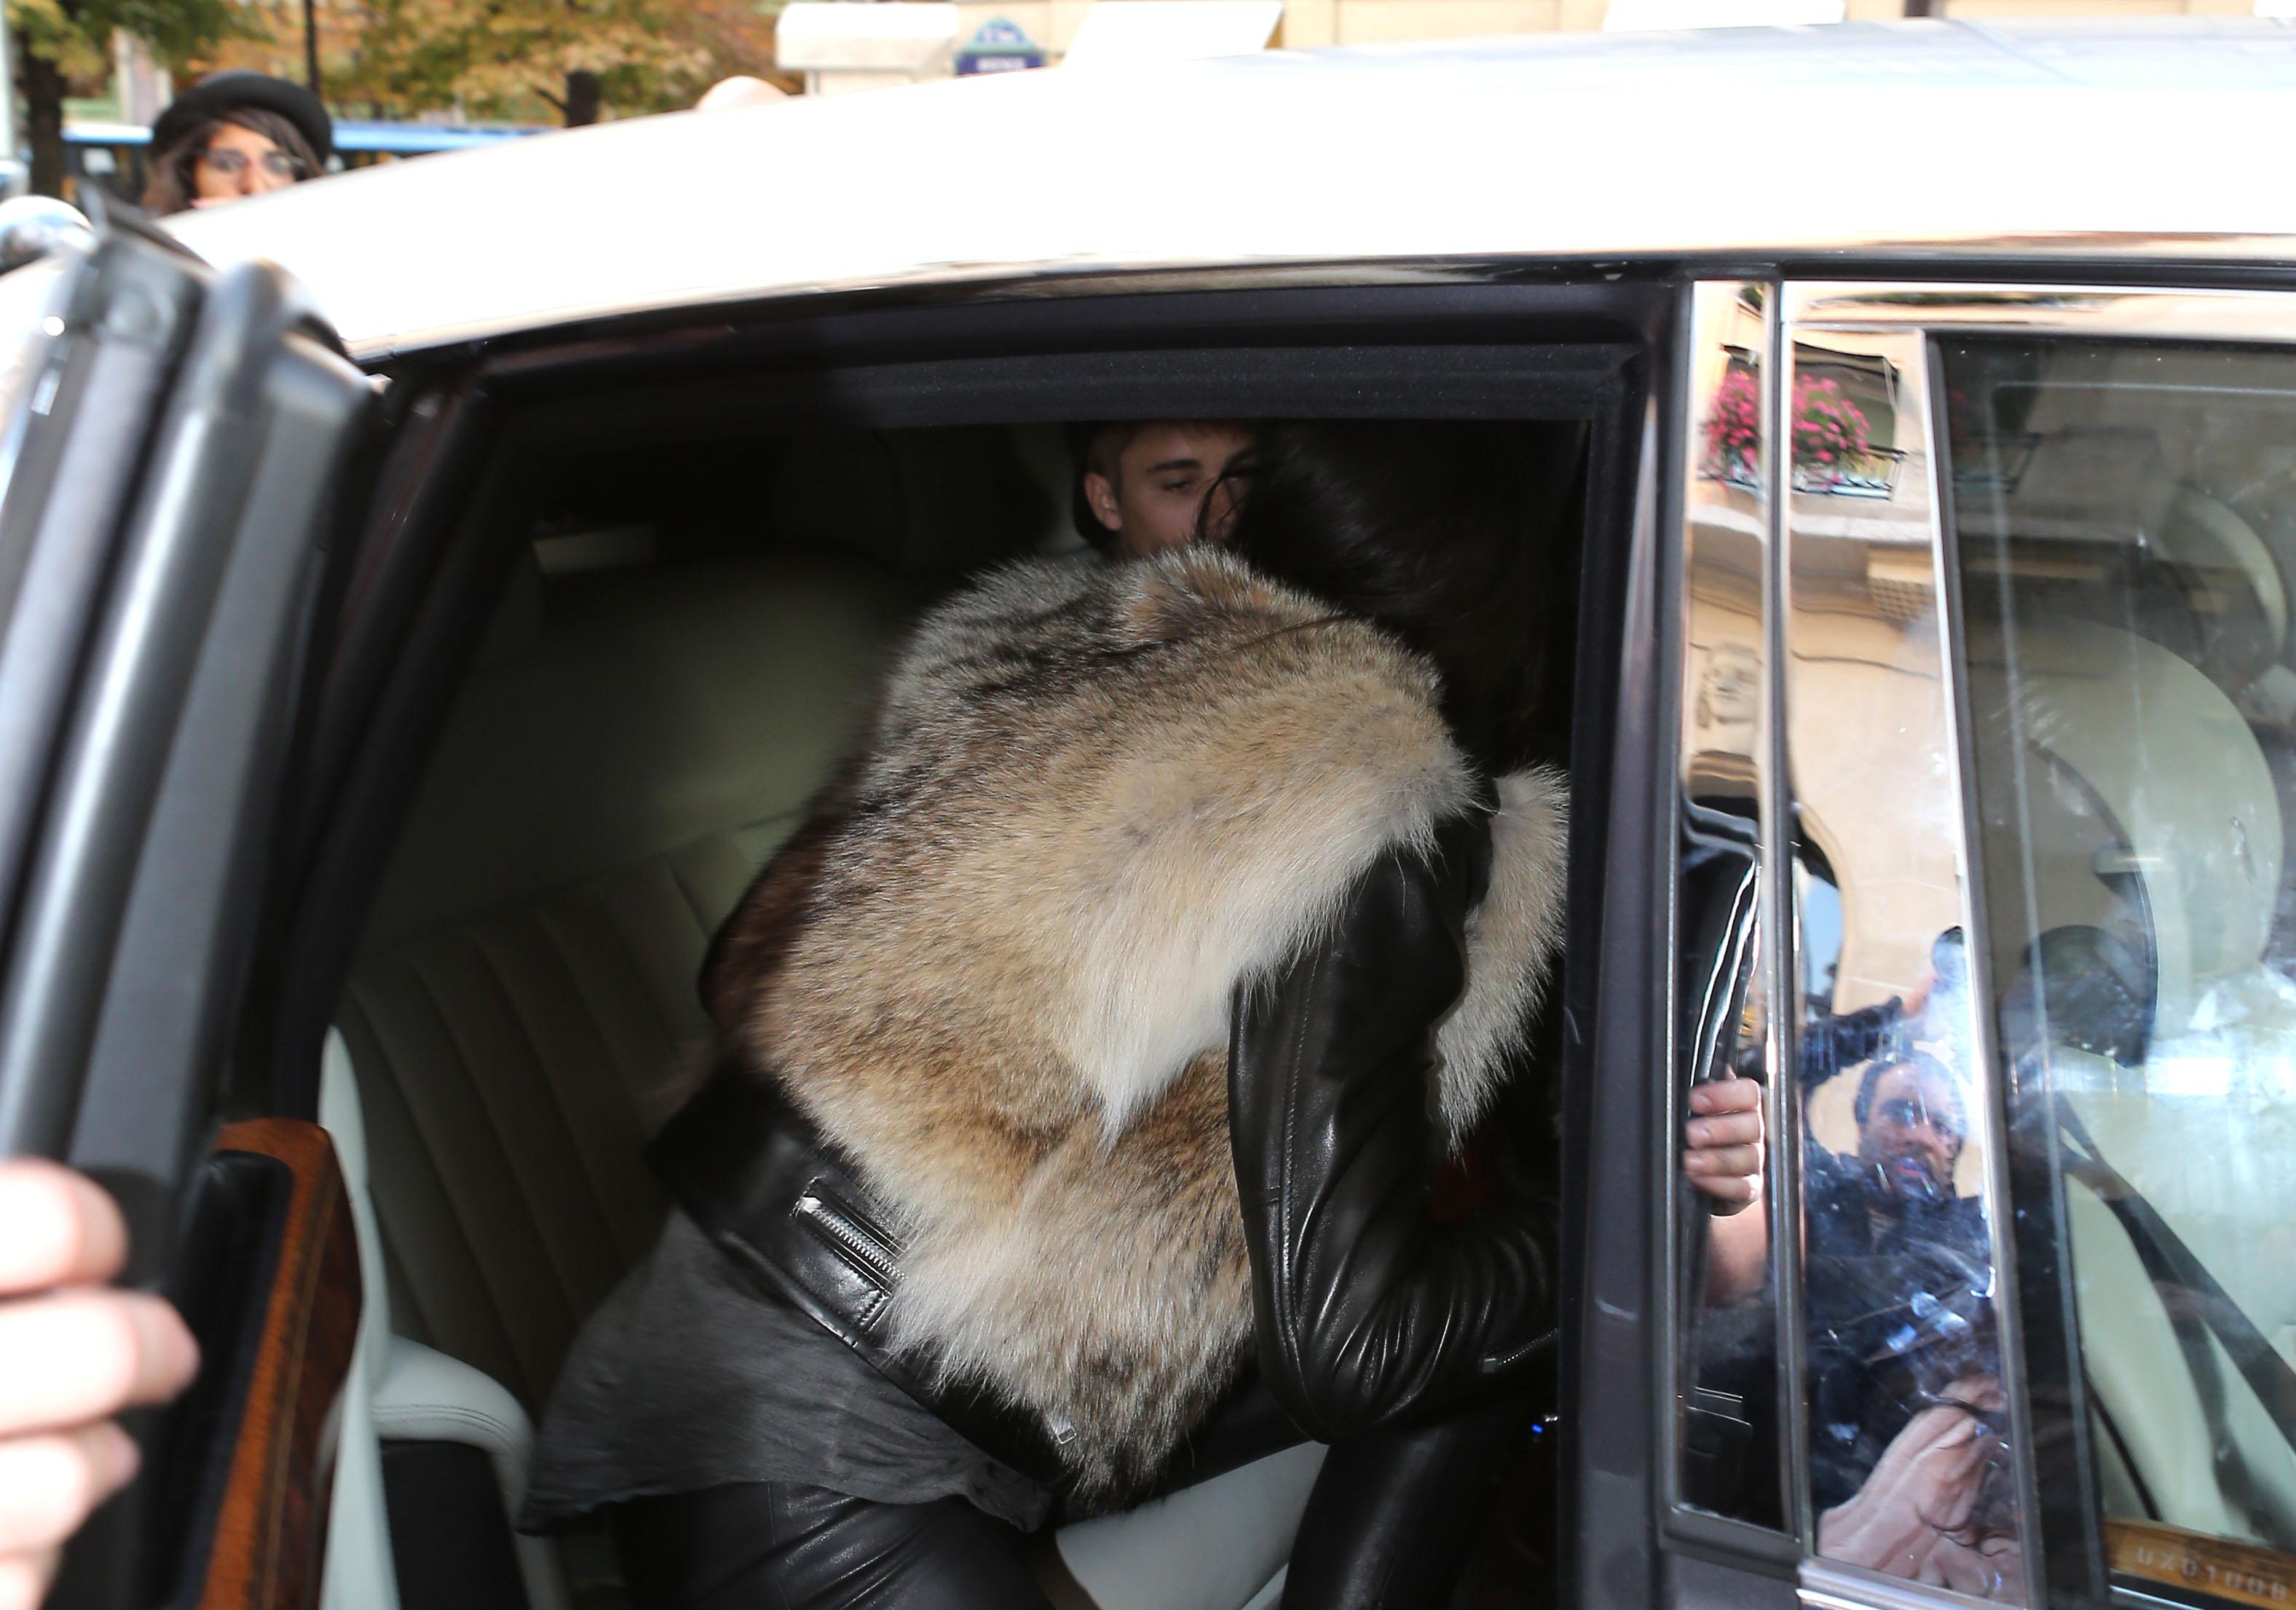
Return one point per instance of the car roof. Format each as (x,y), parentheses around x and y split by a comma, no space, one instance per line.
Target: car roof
(1919,141)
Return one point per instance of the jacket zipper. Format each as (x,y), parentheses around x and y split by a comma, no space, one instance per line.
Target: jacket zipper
(1493,1365)
(860,1244)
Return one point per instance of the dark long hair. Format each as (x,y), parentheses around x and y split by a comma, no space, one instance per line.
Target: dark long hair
(1447,535)
(172,184)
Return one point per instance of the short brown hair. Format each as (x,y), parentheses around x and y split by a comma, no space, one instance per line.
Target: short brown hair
(1098,447)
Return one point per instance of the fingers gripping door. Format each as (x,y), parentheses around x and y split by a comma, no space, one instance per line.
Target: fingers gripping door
(171,478)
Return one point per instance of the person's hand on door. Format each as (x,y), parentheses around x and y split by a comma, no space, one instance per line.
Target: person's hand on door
(1722,1157)
(1917,1516)
(73,1353)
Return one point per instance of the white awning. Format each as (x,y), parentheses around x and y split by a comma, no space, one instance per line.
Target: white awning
(890,36)
(1643,16)
(1129,32)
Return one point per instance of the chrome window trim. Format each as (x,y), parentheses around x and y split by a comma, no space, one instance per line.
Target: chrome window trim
(2118,312)
(1906,344)
(1824,1585)
(1711,307)
(1781,1116)
(1678,574)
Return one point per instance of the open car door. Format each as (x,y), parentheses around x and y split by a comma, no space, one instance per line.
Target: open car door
(172,441)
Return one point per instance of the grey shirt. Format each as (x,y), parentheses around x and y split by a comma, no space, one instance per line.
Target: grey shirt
(689,1376)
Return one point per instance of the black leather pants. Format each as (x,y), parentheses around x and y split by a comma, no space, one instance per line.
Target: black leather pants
(1395,1516)
(778,1545)
(1391,1518)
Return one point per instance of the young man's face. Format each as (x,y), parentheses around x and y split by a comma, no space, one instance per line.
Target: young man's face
(1156,497)
(1913,1134)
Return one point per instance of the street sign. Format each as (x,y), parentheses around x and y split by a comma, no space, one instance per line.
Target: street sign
(998,46)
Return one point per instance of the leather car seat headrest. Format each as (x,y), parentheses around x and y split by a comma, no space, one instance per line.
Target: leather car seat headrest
(2165,778)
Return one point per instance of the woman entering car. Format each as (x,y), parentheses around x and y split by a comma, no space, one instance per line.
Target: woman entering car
(1239,866)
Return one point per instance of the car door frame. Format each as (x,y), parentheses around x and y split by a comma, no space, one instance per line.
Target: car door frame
(170,508)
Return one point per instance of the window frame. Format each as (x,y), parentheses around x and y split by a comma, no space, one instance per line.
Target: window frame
(2065,1554)
(1710,305)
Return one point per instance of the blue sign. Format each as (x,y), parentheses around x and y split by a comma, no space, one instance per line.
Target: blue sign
(998,46)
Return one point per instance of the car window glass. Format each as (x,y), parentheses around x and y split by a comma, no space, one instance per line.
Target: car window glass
(2126,531)
(1910,1465)
(1727,1362)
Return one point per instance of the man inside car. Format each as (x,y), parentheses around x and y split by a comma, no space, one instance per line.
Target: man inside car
(1146,486)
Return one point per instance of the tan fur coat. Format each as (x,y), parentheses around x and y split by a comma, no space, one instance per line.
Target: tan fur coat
(997,965)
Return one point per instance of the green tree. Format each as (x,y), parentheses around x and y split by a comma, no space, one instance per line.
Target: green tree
(60,40)
(568,60)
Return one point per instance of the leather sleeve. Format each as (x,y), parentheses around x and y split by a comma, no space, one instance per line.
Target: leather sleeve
(1370,1313)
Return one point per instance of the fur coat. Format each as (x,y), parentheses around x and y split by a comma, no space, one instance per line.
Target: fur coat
(996,964)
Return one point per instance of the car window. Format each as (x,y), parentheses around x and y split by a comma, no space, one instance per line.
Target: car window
(1853,1328)
(2124,521)
(1909,1461)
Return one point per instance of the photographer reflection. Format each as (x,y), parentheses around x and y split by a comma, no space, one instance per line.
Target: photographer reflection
(1908,1467)
(1898,1286)
(1897,1191)
(1723,1156)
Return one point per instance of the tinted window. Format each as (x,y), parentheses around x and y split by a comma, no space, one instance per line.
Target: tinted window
(2125,525)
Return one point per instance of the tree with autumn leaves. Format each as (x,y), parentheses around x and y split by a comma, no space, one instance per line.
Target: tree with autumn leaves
(557,61)
(60,41)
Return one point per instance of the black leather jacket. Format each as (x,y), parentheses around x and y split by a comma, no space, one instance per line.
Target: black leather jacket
(1370,1313)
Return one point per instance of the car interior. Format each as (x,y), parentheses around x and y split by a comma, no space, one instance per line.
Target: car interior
(615,611)
(2129,559)
(609,676)
(608,603)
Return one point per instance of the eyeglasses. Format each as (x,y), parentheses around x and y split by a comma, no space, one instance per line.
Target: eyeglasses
(230,164)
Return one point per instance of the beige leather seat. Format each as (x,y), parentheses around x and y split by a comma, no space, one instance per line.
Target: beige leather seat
(633,740)
(630,747)
(636,735)
(2207,1450)
(2186,803)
